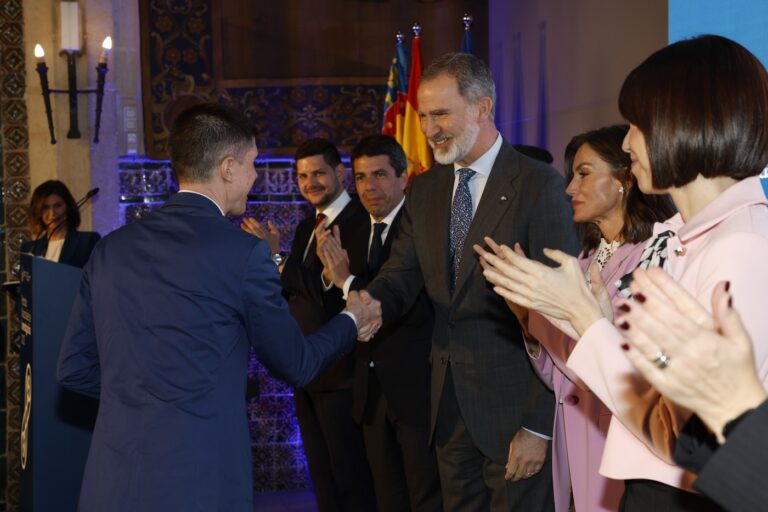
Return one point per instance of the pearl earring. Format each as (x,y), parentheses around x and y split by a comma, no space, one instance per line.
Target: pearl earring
(621,190)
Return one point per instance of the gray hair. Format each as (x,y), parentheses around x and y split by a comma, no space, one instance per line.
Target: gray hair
(472,76)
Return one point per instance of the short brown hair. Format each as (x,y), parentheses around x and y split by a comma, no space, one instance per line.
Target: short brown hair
(640,211)
(318,146)
(702,105)
(205,134)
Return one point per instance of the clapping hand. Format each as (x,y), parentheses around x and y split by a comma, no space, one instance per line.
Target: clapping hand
(702,362)
(553,292)
(334,258)
(269,232)
(367,310)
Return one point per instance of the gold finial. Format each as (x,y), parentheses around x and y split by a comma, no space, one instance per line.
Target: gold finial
(416,29)
(467,19)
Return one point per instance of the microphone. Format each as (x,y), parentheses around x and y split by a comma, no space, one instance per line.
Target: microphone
(87,197)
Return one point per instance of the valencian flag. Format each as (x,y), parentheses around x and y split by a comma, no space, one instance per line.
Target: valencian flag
(414,141)
(397,89)
(467,41)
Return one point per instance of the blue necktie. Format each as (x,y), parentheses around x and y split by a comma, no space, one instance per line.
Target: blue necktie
(461,218)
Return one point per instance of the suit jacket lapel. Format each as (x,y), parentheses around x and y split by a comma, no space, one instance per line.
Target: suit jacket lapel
(68,249)
(499,195)
(442,220)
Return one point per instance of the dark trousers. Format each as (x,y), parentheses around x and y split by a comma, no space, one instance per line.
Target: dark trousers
(404,466)
(333,444)
(471,481)
(644,495)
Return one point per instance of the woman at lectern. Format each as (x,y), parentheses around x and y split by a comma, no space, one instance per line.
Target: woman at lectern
(54,217)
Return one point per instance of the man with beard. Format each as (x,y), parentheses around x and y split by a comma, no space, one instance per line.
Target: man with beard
(391,381)
(490,415)
(333,443)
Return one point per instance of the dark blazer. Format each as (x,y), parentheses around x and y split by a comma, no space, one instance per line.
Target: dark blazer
(399,351)
(732,474)
(160,331)
(523,201)
(77,248)
(310,304)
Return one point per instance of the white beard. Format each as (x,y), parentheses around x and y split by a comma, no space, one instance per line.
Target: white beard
(459,146)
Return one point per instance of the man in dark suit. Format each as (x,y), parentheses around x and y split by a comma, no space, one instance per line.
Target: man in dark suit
(391,380)
(333,443)
(490,415)
(161,328)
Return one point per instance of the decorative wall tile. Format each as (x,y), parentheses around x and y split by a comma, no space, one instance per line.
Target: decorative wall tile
(17,163)
(14,183)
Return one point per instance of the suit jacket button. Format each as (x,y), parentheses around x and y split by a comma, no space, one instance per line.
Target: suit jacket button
(572,400)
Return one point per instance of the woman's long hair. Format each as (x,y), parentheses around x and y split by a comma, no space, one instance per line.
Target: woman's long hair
(641,211)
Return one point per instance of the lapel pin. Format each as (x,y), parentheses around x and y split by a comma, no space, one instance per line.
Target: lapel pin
(503,198)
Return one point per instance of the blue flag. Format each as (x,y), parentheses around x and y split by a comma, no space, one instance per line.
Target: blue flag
(467,41)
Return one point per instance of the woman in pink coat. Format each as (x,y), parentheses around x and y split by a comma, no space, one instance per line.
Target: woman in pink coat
(698,113)
(613,217)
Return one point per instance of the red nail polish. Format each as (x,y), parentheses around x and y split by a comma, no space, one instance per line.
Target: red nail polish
(730,302)
(727,285)
(624,325)
(639,297)
(625,346)
(625,308)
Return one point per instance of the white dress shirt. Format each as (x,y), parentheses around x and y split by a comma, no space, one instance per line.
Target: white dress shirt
(388,221)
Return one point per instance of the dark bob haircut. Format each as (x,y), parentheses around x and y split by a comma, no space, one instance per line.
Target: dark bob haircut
(43,192)
(702,105)
(640,211)
(375,145)
(318,146)
(203,135)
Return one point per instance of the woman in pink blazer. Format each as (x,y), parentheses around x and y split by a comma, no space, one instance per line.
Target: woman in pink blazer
(698,113)
(603,193)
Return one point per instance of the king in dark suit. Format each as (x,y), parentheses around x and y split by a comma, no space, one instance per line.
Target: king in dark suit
(490,415)
(391,379)
(161,329)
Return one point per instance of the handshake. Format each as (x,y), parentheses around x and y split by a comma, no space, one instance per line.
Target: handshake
(367,311)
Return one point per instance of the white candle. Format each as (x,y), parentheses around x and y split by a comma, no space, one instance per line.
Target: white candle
(70,26)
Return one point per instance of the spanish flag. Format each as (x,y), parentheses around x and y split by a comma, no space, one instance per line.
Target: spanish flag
(397,90)
(414,141)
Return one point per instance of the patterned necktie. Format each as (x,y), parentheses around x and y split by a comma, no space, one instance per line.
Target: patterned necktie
(312,251)
(461,218)
(374,254)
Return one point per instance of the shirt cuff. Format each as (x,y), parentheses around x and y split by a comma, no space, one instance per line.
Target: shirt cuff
(347,286)
(548,438)
(326,286)
(350,315)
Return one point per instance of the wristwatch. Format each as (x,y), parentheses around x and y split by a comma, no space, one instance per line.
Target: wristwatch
(278,258)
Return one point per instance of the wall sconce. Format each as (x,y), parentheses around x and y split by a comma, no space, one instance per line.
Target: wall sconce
(70,43)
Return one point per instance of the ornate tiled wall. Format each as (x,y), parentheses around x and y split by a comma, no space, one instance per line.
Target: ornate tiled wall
(14,173)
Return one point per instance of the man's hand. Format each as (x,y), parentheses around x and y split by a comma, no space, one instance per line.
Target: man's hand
(367,310)
(527,453)
(334,258)
(268,233)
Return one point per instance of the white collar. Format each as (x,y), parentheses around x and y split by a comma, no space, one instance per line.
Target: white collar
(334,209)
(205,196)
(390,216)
(484,164)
